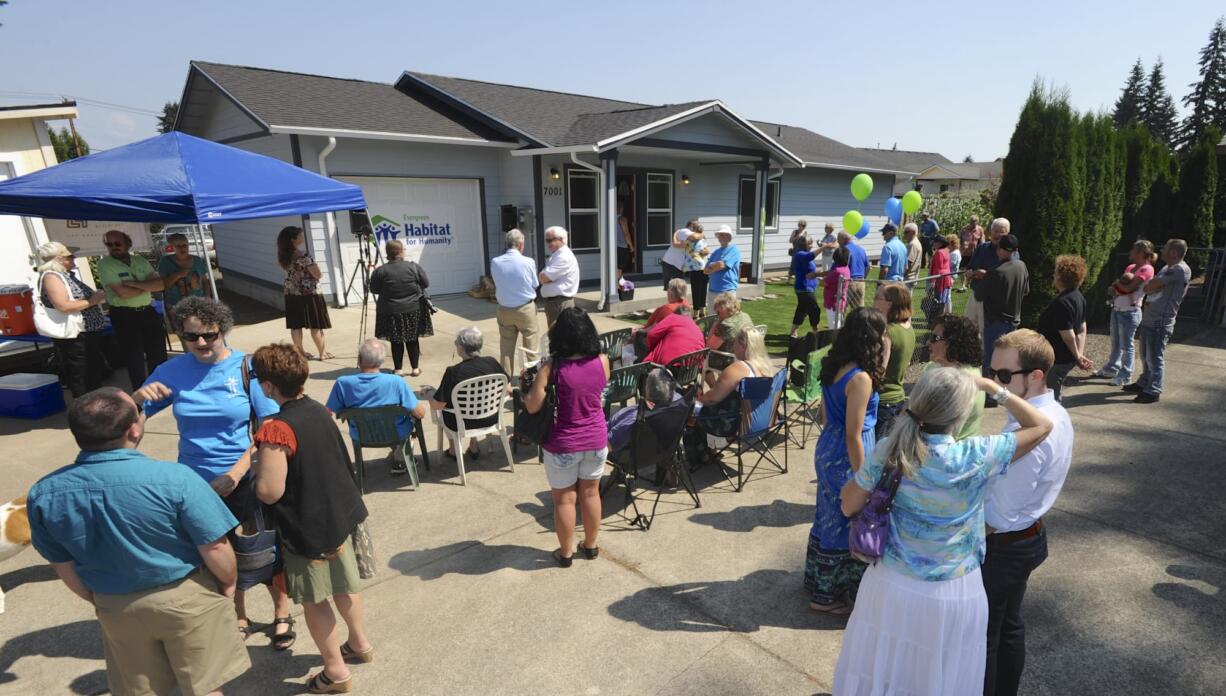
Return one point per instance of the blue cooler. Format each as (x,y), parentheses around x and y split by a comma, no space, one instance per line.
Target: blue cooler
(25,395)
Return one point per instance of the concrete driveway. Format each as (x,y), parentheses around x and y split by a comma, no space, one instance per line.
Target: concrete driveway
(468,601)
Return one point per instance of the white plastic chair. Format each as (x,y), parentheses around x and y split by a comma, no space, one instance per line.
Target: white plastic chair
(473,399)
(527,358)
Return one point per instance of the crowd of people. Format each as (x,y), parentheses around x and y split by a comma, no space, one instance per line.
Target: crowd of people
(263,490)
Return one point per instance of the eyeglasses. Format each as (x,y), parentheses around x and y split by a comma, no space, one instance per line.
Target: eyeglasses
(192,337)
(1006,376)
(113,244)
(934,338)
(552,239)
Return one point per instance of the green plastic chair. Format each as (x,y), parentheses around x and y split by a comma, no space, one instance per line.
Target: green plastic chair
(612,343)
(377,428)
(624,384)
(805,400)
(705,323)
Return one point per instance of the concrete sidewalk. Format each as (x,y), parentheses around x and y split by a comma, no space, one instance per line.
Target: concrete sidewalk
(709,601)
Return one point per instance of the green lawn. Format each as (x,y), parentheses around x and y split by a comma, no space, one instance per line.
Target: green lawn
(776,313)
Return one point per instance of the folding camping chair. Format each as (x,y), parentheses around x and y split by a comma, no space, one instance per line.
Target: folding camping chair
(687,369)
(805,400)
(655,445)
(612,342)
(473,399)
(624,385)
(377,428)
(760,422)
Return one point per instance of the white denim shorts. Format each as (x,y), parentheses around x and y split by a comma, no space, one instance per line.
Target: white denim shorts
(564,470)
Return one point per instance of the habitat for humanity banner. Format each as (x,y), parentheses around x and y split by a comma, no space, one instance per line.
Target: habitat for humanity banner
(423,231)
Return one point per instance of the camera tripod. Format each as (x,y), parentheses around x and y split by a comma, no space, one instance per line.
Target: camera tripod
(368,260)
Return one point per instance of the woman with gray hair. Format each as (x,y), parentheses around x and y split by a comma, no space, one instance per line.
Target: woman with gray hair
(921,614)
(468,344)
(82,365)
(215,399)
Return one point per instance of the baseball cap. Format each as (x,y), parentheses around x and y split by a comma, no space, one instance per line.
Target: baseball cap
(1008,242)
(889,227)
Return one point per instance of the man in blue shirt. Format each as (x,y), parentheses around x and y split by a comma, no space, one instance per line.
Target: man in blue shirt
(370,388)
(516,281)
(144,542)
(893,262)
(857,267)
(928,230)
(723,265)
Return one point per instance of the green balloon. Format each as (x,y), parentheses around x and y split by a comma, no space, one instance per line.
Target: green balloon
(911,202)
(861,186)
(852,221)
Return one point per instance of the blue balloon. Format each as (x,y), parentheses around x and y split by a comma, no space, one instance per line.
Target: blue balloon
(864,230)
(893,210)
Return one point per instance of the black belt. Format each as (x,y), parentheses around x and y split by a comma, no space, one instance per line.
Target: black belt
(132,309)
(1010,537)
(560,297)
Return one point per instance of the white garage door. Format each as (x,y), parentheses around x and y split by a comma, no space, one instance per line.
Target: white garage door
(440,218)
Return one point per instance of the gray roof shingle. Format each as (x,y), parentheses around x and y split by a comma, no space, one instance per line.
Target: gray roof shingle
(908,160)
(818,149)
(593,128)
(295,99)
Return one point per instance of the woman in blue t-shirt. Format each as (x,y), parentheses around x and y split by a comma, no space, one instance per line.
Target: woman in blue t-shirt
(804,270)
(214,399)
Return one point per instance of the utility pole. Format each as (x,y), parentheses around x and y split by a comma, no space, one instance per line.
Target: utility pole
(72,126)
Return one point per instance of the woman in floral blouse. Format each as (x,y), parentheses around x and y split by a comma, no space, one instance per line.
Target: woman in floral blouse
(304,306)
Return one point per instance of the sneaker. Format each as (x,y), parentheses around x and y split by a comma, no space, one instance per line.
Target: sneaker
(1145,398)
(1100,372)
(1134,388)
(1119,380)
(399,468)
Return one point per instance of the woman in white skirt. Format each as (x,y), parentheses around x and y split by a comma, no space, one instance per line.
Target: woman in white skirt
(921,616)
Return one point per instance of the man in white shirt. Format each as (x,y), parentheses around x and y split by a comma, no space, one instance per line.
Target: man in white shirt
(1015,503)
(515,282)
(560,279)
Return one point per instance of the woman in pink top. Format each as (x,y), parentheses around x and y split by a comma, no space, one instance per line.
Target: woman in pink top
(939,287)
(674,336)
(834,288)
(1127,294)
(577,447)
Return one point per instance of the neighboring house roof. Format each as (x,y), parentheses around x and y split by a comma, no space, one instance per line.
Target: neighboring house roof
(296,100)
(818,150)
(65,109)
(908,160)
(971,171)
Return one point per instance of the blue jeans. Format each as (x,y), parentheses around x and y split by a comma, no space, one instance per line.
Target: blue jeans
(992,330)
(1153,346)
(1123,330)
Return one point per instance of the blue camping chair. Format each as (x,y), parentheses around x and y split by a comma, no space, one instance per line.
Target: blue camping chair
(760,423)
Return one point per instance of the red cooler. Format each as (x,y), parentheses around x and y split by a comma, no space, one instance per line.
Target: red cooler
(16,310)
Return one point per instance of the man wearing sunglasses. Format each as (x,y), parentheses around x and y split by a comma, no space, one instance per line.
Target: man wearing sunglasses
(1016,501)
(128,279)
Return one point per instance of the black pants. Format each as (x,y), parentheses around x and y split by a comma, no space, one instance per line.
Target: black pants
(670,271)
(807,306)
(698,290)
(82,362)
(886,413)
(1006,569)
(142,338)
(398,353)
(1056,376)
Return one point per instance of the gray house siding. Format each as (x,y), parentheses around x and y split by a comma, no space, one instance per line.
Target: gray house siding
(821,196)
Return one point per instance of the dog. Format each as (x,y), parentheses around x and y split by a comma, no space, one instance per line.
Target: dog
(14,533)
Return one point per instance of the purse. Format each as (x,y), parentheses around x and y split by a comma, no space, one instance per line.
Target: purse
(870,528)
(53,323)
(255,550)
(364,551)
(535,427)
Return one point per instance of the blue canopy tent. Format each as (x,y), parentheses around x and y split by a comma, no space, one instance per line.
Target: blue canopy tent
(175,178)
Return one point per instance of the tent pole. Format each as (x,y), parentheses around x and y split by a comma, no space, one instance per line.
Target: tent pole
(205,251)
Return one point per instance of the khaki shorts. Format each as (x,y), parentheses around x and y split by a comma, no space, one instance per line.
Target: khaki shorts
(183,634)
(311,581)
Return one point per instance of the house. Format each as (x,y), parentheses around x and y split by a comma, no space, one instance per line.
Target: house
(957,178)
(910,160)
(451,163)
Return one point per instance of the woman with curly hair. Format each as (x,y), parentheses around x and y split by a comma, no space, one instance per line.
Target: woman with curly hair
(851,375)
(304,306)
(955,342)
(578,443)
(1063,322)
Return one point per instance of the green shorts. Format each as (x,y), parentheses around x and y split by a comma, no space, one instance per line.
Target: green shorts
(311,581)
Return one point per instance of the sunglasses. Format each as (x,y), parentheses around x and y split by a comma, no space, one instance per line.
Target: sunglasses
(113,244)
(552,239)
(1006,376)
(192,337)
(934,338)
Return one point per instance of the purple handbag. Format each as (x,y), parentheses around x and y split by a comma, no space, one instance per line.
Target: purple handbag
(870,528)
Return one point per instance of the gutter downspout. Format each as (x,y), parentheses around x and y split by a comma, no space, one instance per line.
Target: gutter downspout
(601,226)
(331,243)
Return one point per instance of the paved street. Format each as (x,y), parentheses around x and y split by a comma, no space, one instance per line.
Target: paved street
(709,601)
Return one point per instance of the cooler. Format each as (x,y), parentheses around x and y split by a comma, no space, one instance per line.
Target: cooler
(16,310)
(25,395)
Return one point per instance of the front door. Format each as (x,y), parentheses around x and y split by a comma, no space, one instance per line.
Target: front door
(627,219)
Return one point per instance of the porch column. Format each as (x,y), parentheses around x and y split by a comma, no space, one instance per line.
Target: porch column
(759,224)
(608,163)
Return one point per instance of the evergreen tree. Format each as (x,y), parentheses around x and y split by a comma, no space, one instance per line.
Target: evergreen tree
(1145,160)
(1102,222)
(1158,108)
(166,122)
(1207,99)
(65,146)
(1198,177)
(1128,106)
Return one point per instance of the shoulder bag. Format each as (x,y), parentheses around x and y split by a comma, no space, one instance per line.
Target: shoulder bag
(535,427)
(53,323)
(870,528)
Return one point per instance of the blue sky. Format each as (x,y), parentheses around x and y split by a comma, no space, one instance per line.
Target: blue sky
(946,77)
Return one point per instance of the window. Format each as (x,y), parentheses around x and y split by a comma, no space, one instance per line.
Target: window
(659,209)
(582,209)
(745,211)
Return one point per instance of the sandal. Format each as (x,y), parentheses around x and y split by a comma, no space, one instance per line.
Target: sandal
(325,356)
(308,356)
(590,554)
(321,683)
(836,609)
(283,641)
(245,630)
(415,372)
(564,562)
(348,654)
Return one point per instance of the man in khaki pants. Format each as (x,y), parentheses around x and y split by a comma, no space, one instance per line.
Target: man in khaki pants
(515,281)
